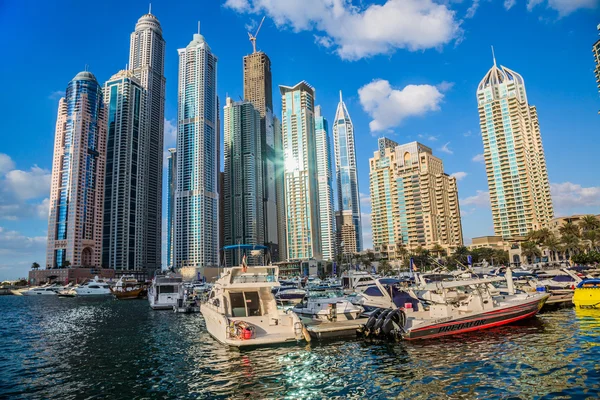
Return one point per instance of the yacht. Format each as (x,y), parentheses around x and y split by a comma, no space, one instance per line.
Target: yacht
(356,280)
(327,306)
(94,287)
(453,307)
(128,287)
(164,291)
(241,309)
(41,291)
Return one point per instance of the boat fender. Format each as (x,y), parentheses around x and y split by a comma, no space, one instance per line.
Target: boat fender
(306,334)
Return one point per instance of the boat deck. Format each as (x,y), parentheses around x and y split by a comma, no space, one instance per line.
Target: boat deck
(322,330)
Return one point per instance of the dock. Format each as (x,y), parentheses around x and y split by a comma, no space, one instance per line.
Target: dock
(323,330)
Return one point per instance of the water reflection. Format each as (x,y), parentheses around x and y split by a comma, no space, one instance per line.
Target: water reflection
(74,348)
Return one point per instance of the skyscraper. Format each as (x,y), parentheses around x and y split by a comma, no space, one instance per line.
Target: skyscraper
(324,174)
(258,89)
(596,51)
(146,61)
(348,214)
(414,203)
(197,197)
(300,172)
(514,155)
(172,186)
(124,239)
(77,190)
(243,208)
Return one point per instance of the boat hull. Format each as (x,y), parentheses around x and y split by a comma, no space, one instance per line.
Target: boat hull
(477,322)
(587,297)
(128,295)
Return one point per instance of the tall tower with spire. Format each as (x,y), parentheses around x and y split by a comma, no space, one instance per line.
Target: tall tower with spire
(147,62)
(514,155)
(197,192)
(258,89)
(348,211)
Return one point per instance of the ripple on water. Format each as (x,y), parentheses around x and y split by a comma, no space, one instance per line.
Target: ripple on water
(102,348)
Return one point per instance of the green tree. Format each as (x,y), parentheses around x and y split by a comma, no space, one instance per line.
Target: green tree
(384,267)
(530,251)
(592,238)
(571,243)
(66,264)
(589,223)
(552,244)
(35,266)
(401,251)
(461,255)
(438,250)
(569,229)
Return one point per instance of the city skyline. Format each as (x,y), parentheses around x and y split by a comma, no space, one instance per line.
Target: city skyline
(453,136)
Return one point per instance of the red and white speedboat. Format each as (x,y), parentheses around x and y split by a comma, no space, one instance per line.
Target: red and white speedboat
(451,307)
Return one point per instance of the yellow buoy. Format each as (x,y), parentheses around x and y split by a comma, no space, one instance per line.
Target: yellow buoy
(587,294)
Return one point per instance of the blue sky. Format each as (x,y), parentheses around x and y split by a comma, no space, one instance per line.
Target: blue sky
(408,69)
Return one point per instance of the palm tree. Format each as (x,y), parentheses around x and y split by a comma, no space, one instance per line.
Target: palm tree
(592,238)
(552,244)
(384,267)
(66,264)
(438,250)
(35,266)
(571,243)
(529,250)
(460,254)
(589,223)
(569,229)
(401,251)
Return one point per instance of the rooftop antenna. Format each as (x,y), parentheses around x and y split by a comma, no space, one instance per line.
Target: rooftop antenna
(86,67)
(198,27)
(253,38)
(493,56)
(340,96)
(150,8)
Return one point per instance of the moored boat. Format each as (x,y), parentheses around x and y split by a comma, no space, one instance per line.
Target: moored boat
(127,287)
(587,294)
(163,292)
(241,309)
(327,306)
(95,287)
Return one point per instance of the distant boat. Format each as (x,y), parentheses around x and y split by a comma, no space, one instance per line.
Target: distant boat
(127,287)
(41,291)
(94,287)
(164,291)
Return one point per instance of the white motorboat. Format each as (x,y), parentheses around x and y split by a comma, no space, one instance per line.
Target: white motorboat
(327,306)
(357,280)
(163,293)
(95,287)
(41,291)
(452,307)
(241,309)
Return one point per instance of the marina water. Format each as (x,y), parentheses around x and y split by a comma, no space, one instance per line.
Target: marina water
(103,348)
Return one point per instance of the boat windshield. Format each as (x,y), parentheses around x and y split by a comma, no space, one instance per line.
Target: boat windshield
(245,304)
(325,294)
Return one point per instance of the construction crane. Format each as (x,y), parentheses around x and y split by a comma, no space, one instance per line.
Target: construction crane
(253,38)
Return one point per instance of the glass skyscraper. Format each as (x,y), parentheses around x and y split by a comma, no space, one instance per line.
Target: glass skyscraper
(172,186)
(197,197)
(124,239)
(325,177)
(77,190)
(300,172)
(242,187)
(147,62)
(514,155)
(348,213)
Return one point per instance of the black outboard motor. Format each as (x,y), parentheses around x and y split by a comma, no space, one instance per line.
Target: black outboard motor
(366,328)
(380,321)
(393,326)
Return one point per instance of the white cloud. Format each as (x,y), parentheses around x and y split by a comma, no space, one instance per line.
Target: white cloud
(568,197)
(6,163)
(18,251)
(508,4)
(362,31)
(446,149)
(28,184)
(57,95)
(473,9)
(170,130)
(460,175)
(19,190)
(430,138)
(481,199)
(323,41)
(388,106)
(478,158)
(564,7)
(365,199)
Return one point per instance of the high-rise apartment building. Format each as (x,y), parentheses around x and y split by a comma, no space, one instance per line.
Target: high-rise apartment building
(125,190)
(348,212)
(258,89)
(325,175)
(384,198)
(414,203)
(596,51)
(147,62)
(242,186)
(197,197)
(172,187)
(77,189)
(514,156)
(300,172)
